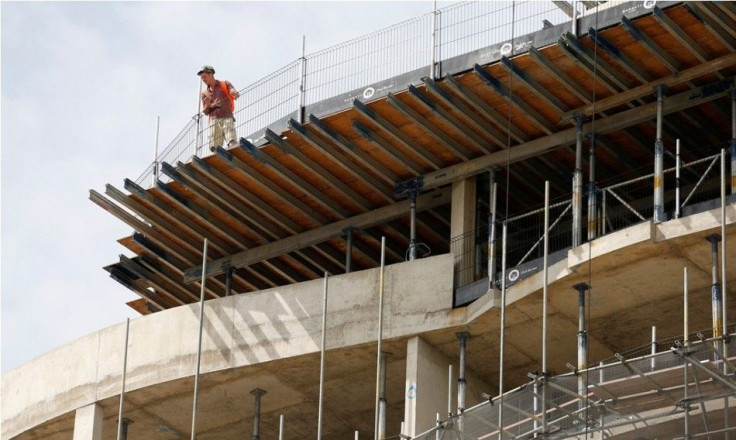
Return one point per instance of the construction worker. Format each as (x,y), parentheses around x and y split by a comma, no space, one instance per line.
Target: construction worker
(218,100)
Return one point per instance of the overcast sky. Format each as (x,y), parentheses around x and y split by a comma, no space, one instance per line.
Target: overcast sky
(82,84)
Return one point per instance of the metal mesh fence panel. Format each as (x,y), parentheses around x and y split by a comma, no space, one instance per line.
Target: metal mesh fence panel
(360,62)
(268,100)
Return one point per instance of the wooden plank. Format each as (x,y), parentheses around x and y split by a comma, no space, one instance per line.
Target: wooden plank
(266,183)
(422,122)
(328,150)
(296,181)
(452,122)
(470,117)
(397,135)
(372,137)
(514,100)
(352,150)
(319,171)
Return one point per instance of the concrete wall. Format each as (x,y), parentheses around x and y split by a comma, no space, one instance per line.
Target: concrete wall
(239,330)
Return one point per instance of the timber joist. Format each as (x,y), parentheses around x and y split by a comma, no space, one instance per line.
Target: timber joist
(278,213)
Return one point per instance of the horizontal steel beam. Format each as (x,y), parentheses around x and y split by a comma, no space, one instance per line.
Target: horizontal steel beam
(318,235)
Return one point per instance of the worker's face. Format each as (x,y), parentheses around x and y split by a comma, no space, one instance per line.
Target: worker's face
(207,78)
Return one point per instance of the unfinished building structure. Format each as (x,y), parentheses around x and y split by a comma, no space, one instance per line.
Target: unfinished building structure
(522,229)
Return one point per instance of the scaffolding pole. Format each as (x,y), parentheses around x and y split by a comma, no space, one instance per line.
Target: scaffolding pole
(503,322)
(199,343)
(678,165)
(380,334)
(322,359)
(122,384)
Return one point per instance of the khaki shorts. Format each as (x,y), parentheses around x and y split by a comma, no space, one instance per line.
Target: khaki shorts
(222,129)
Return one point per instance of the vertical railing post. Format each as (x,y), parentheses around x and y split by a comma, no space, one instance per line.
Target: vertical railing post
(658,161)
(577,185)
(155,153)
(198,117)
(433,43)
(302,80)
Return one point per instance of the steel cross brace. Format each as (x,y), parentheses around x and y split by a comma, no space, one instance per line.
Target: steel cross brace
(638,372)
(696,363)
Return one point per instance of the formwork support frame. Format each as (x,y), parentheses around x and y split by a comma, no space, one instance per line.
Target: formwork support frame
(658,161)
(577,185)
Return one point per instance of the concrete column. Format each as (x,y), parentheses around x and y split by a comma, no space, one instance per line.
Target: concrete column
(88,423)
(462,224)
(426,369)
(425,393)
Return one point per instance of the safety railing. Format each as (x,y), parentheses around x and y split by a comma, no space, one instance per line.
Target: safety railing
(417,45)
(619,205)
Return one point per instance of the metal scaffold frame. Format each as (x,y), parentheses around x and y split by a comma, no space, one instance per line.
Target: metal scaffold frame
(646,394)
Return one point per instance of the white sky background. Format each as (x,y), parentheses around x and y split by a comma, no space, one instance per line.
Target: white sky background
(82,84)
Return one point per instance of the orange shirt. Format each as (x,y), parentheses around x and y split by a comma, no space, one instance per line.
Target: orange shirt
(218,100)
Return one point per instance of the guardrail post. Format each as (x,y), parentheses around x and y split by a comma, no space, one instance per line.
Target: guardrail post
(302,80)
(433,44)
(155,154)
(198,117)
